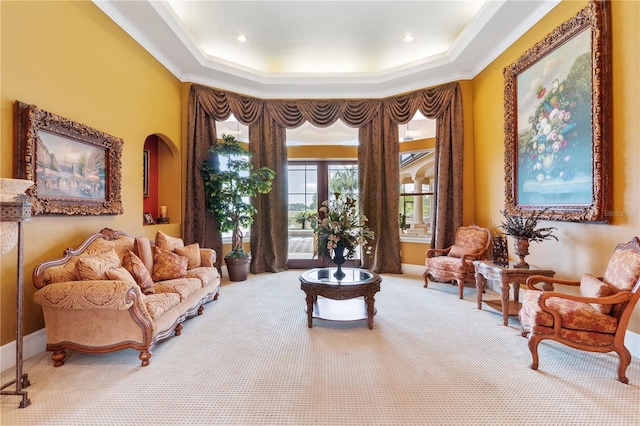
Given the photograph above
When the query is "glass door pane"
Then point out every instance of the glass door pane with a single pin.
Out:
(303, 206)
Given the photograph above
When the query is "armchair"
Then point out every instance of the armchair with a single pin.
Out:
(597, 319)
(455, 263)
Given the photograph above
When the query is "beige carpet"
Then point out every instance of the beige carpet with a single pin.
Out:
(251, 360)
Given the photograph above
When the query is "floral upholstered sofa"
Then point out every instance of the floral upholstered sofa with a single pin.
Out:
(116, 291)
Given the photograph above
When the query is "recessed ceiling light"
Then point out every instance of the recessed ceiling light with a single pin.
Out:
(242, 38)
(408, 37)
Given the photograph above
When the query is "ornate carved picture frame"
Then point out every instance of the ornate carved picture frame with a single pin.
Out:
(557, 101)
(77, 169)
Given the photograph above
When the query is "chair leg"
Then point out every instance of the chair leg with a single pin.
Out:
(624, 360)
(426, 280)
(533, 347)
(460, 288)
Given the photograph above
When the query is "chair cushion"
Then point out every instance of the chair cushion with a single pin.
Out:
(158, 304)
(136, 268)
(622, 273)
(447, 263)
(573, 315)
(590, 286)
(142, 249)
(192, 253)
(166, 242)
(121, 274)
(204, 274)
(168, 265)
(623, 269)
(471, 238)
(459, 251)
(96, 267)
(185, 287)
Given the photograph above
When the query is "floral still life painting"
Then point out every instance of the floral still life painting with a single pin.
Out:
(341, 226)
(558, 121)
(554, 127)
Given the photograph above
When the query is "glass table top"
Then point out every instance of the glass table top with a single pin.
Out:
(326, 275)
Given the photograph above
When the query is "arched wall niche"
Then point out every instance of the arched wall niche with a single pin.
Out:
(162, 176)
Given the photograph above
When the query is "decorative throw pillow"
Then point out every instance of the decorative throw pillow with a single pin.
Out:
(192, 253)
(121, 274)
(96, 267)
(142, 249)
(590, 286)
(166, 242)
(168, 265)
(459, 251)
(136, 268)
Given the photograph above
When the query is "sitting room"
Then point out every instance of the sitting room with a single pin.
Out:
(440, 123)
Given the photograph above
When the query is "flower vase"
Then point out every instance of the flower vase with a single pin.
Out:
(521, 249)
(338, 259)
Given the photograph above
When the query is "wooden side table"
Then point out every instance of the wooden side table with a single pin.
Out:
(487, 270)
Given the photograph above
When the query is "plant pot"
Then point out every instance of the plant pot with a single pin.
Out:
(237, 267)
(521, 249)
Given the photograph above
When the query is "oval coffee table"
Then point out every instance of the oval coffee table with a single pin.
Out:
(334, 304)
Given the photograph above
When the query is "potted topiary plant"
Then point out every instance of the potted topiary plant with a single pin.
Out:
(229, 179)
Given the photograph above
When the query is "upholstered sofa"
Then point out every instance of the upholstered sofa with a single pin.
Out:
(116, 291)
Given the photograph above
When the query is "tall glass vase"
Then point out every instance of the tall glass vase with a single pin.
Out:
(338, 259)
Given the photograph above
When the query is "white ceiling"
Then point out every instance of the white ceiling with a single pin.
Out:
(325, 49)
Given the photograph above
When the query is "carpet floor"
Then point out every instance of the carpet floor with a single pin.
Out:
(250, 359)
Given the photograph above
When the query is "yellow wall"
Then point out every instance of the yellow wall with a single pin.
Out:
(582, 247)
(70, 59)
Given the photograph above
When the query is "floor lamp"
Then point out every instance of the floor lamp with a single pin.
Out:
(15, 213)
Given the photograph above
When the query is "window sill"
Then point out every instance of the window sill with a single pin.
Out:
(423, 239)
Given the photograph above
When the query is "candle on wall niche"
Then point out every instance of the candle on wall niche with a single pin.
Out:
(163, 211)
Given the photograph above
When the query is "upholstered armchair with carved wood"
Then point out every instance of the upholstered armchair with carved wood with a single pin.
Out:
(455, 263)
(597, 319)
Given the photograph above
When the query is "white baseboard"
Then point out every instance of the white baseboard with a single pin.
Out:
(412, 269)
(32, 345)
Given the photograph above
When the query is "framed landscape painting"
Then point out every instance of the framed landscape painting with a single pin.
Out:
(77, 169)
(558, 122)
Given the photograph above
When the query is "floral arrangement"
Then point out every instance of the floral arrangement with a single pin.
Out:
(340, 222)
(519, 227)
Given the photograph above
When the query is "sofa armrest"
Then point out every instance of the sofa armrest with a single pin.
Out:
(207, 257)
(103, 294)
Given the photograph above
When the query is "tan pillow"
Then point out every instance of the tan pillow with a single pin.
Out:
(136, 268)
(192, 253)
(168, 265)
(459, 251)
(166, 242)
(590, 286)
(121, 274)
(142, 249)
(96, 267)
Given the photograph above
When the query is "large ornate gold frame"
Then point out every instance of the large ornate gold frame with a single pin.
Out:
(596, 17)
(30, 123)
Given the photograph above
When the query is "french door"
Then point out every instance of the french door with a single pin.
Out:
(310, 183)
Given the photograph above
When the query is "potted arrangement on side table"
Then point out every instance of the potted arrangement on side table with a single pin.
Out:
(524, 231)
(227, 189)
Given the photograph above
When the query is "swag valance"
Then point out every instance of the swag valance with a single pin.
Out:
(378, 165)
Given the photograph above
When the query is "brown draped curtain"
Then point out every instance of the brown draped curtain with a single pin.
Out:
(378, 158)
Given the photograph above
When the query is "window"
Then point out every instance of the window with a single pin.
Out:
(417, 150)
